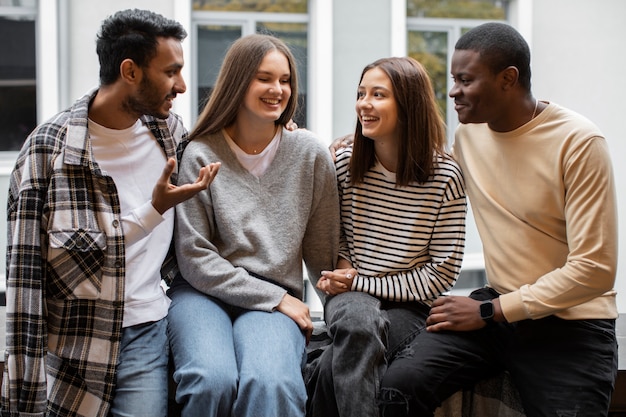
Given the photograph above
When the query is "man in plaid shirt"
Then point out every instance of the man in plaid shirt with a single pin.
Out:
(89, 234)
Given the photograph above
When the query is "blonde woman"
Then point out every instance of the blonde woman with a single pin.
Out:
(237, 322)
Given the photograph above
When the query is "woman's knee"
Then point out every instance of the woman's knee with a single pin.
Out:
(357, 314)
(216, 382)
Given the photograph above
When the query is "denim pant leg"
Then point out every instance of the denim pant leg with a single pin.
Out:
(349, 371)
(436, 365)
(406, 320)
(142, 372)
(564, 367)
(201, 339)
(270, 355)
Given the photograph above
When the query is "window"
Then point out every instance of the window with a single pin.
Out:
(433, 28)
(218, 23)
(18, 90)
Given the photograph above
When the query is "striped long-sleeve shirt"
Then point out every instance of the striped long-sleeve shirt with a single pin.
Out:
(406, 243)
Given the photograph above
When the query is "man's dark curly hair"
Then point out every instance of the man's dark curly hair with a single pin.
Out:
(132, 34)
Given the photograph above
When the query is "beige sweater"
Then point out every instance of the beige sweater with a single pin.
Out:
(544, 201)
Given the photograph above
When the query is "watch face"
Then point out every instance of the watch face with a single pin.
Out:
(486, 310)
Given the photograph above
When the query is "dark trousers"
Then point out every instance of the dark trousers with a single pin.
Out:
(364, 335)
(560, 367)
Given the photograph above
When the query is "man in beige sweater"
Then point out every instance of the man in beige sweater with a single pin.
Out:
(540, 182)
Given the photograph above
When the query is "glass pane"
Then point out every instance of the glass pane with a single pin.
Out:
(18, 115)
(295, 36)
(17, 49)
(213, 42)
(18, 97)
(273, 6)
(430, 48)
(460, 9)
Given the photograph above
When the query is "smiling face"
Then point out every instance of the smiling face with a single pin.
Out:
(269, 91)
(161, 81)
(476, 89)
(376, 106)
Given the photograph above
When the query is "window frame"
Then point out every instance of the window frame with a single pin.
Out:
(247, 21)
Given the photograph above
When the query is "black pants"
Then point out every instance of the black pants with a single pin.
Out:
(560, 367)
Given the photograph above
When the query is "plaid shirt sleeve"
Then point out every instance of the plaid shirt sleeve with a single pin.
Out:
(24, 390)
(173, 137)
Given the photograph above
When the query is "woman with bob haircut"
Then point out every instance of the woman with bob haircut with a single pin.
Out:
(237, 323)
(403, 212)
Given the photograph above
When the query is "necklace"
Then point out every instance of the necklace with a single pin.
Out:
(259, 147)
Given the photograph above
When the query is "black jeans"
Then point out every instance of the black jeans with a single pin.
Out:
(365, 335)
(561, 368)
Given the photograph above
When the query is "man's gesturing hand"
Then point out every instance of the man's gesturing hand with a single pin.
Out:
(166, 195)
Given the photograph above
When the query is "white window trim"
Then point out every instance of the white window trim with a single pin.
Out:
(47, 61)
(399, 28)
(182, 104)
(320, 48)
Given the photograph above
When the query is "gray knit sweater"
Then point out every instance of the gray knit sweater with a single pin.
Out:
(244, 239)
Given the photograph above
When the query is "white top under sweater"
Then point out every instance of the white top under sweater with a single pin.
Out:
(256, 164)
(134, 160)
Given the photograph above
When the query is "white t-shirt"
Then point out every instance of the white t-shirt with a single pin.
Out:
(134, 159)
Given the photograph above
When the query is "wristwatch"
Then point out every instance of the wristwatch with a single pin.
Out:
(486, 311)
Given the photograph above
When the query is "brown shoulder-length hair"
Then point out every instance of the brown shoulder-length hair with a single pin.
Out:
(240, 66)
(422, 129)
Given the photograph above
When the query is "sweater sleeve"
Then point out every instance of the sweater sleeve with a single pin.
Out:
(24, 385)
(342, 167)
(321, 238)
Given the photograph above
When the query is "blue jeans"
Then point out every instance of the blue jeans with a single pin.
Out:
(142, 372)
(234, 362)
(365, 336)
(560, 367)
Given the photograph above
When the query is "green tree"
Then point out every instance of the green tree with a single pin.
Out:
(459, 9)
(270, 6)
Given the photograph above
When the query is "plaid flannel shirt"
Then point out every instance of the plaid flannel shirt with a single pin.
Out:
(65, 270)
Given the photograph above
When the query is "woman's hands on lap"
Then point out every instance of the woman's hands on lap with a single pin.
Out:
(337, 281)
(299, 312)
